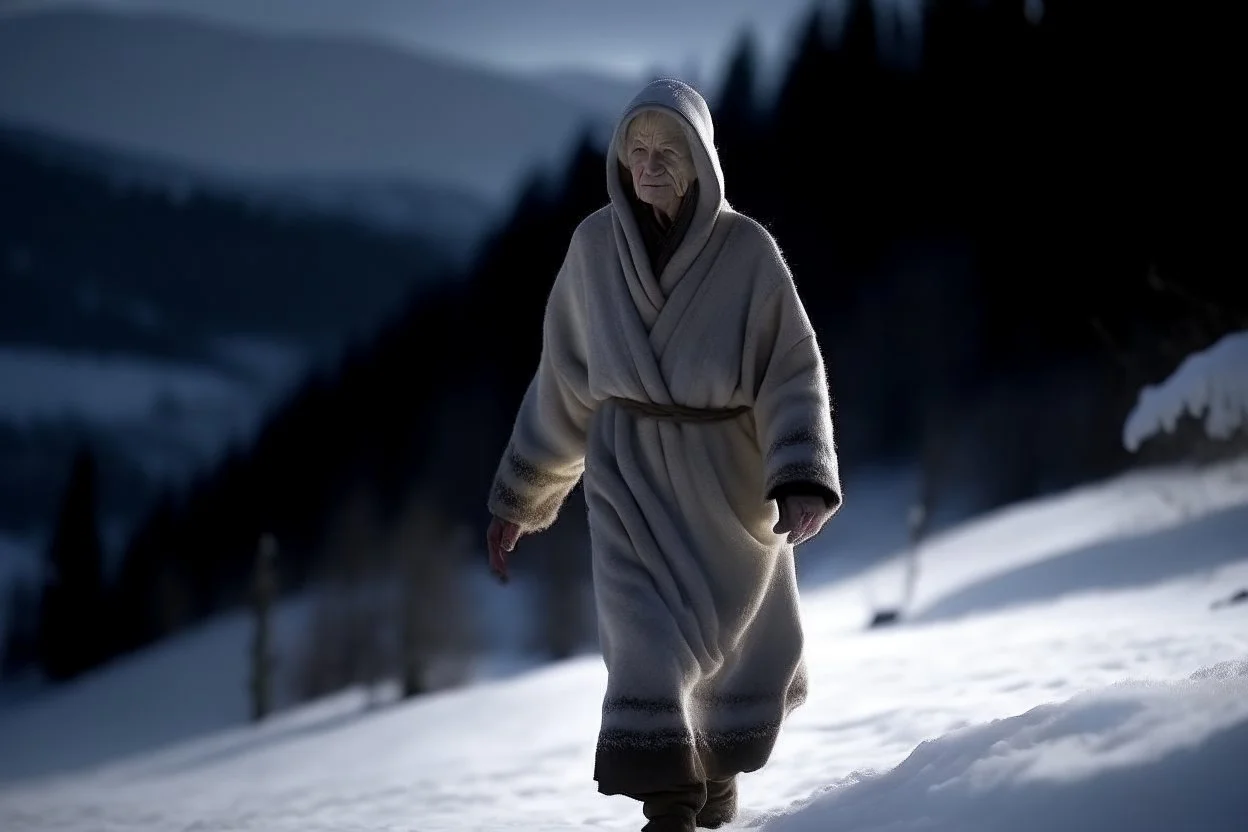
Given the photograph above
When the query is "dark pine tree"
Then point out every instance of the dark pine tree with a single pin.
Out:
(150, 597)
(20, 649)
(862, 145)
(798, 123)
(738, 130)
(72, 607)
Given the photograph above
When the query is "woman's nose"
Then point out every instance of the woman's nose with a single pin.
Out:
(654, 162)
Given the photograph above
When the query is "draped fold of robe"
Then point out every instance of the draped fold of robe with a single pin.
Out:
(696, 596)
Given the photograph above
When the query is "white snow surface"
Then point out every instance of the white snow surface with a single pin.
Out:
(1066, 665)
(38, 384)
(170, 415)
(1212, 384)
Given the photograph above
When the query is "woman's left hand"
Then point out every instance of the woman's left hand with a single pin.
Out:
(802, 516)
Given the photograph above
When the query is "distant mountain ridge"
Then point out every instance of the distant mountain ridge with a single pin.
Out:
(453, 217)
(158, 326)
(242, 104)
(170, 189)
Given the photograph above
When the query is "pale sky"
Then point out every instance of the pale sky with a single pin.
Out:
(620, 37)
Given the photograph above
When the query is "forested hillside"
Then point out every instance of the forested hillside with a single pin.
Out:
(999, 239)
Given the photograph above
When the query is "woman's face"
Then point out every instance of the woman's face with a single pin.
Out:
(659, 160)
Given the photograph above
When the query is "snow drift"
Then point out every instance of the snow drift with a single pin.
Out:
(1139, 756)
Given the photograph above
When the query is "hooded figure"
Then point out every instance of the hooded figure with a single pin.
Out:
(681, 377)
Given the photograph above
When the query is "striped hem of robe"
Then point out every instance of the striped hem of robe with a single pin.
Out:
(735, 734)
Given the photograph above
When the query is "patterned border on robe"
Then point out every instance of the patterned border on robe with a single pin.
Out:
(802, 455)
(733, 734)
(527, 494)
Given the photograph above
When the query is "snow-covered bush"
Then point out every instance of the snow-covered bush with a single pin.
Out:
(1212, 383)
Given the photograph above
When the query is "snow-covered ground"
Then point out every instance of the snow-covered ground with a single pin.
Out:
(178, 408)
(1066, 665)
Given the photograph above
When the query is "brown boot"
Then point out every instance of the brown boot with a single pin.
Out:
(672, 810)
(721, 804)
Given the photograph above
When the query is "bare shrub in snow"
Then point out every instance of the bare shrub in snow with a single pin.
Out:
(346, 640)
(430, 618)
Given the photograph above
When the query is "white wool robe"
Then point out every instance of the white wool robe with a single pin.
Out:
(684, 399)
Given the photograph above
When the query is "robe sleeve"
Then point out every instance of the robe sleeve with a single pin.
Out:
(792, 407)
(545, 454)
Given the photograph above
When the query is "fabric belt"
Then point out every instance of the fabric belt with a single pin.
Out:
(680, 413)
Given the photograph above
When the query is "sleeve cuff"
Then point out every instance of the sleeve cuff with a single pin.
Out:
(804, 488)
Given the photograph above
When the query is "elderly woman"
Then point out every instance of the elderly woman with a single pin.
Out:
(681, 376)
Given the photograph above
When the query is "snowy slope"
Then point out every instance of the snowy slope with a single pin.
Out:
(1028, 703)
(200, 679)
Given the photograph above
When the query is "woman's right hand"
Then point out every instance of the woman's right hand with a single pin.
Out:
(802, 516)
(501, 539)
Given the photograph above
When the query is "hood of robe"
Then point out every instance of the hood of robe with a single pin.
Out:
(685, 103)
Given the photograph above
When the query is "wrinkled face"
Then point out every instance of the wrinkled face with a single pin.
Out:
(659, 159)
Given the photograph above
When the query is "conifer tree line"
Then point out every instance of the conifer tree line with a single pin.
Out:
(1003, 223)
